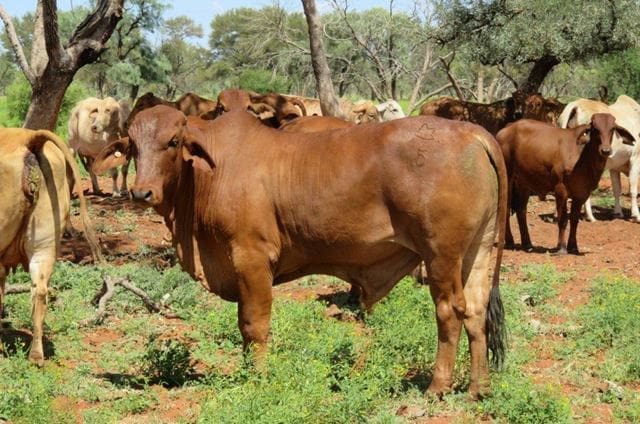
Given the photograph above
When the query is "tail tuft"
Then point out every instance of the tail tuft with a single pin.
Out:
(496, 329)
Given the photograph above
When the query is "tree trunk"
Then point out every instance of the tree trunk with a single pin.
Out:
(326, 93)
(46, 98)
(480, 85)
(541, 68)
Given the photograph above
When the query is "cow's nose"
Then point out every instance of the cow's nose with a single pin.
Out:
(146, 195)
(605, 152)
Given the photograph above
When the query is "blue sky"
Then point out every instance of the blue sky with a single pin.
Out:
(203, 11)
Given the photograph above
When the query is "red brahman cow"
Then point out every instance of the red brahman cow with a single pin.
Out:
(250, 206)
(542, 158)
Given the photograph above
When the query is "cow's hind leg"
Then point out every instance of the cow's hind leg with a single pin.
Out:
(40, 269)
(445, 274)
(476, 293)
(616, 187)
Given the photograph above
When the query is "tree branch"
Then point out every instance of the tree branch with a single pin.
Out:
(426, 96)
(51, 37)
(16, 45)
(454, 83)
(90, 37)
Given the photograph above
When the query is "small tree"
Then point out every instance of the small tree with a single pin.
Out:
(52, 65)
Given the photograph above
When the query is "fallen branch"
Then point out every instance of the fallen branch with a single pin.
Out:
(17, 288)
(108, 290)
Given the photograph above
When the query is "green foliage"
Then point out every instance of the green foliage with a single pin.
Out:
(166, 362)
(541, 282)
(516, 399)
(18, 99)
(610, 321)
(621, 73)
(262, 81)
(26, 393)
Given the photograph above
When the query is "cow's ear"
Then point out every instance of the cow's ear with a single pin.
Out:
(114, 154)
(195, 153)
(262, 111)
(572, 122)
(626, 136)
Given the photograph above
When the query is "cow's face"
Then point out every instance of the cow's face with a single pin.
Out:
(157, 136)
(104, 115)
(603, 128)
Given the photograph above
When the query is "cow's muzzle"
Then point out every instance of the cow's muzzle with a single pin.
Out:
(142, 195)
(605, 152)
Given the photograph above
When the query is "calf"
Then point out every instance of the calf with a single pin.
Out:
(34, 207)
(541, 158)
(365, 204)
(624, 158)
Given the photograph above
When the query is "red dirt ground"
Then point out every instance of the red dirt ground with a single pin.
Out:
(129, 232)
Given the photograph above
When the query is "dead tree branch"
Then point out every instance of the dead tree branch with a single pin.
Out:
(17, 288)
(108, 291)
(16, 45)
(454, 82)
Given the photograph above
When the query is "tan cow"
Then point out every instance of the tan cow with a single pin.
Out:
(250, 206)
(34, 208)
(93, 124)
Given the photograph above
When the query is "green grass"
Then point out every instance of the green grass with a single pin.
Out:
(320, 369)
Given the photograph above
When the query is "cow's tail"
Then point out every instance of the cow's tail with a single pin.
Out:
(40, 137)
(495, 323)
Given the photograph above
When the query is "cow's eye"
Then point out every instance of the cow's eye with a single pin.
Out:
(173, 143)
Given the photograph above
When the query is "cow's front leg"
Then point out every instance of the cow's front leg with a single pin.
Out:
(574, 218)
(40, 269)
(561, 211)
(124, 170)
(634, 174)
(3, 279)
(254, 303)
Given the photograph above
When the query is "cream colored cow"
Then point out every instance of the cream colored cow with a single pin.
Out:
(93, 124)
(34, 208)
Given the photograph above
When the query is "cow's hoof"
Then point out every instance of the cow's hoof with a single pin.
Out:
(590, 219)
(37, 359)
(561, 251)
(438, 390)
(509, 245)
(527, 247)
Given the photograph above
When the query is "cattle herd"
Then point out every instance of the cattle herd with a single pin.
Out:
(260, 189)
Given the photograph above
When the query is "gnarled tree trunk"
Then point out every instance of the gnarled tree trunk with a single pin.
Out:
(327, 95)
(541, 68)
(53, 66)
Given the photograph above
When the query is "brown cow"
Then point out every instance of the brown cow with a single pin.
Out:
(322, 203)
(493, 116)
(34, 208)
(541, 158)
(193, 105)
(189, 103)
(542, 109)
(311, 124)
(273, 109)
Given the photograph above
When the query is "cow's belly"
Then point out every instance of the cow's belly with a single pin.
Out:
(348, 262)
